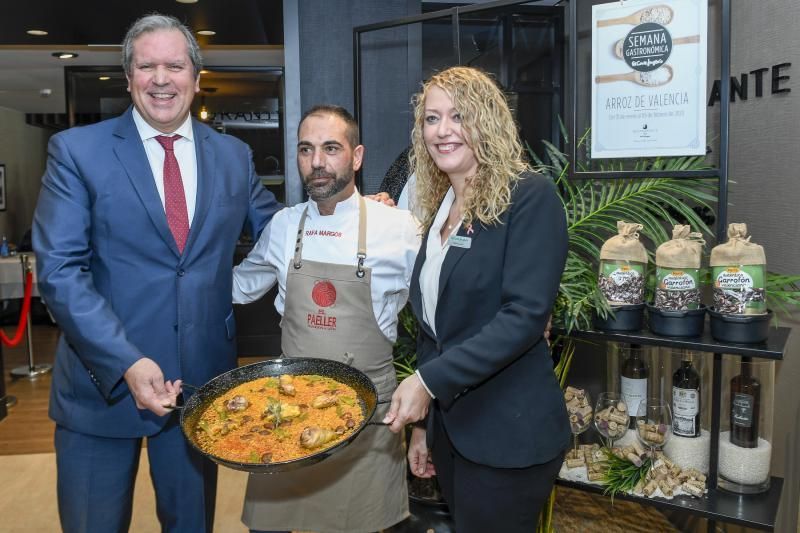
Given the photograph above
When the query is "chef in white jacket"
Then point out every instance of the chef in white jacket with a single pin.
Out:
(343, 266)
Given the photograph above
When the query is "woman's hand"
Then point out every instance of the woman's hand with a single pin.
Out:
(409, 404)
(382, 197)
(419, 459)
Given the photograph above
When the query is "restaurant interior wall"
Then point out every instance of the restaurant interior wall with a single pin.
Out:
(23, 151)
(326, 70)
(765, 193)
(520, 46)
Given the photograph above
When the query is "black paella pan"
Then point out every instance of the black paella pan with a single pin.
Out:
(205, 395)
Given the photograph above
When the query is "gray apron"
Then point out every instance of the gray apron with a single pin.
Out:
(362, 487)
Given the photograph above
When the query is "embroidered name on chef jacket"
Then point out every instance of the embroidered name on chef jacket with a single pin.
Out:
(323, 295)
(322, 233)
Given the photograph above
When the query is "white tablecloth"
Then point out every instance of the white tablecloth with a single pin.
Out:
(11, 281)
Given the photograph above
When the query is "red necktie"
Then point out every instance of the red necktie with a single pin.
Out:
(174, 195)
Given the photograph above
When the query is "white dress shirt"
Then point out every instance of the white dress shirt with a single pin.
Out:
(393, 239)
(435, 253)
(184, 153)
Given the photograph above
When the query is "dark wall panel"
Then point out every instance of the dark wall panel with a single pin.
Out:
(326, 72)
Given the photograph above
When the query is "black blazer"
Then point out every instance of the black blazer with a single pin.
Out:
(489, 366)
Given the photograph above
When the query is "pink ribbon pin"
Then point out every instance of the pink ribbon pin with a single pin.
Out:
(470, 231)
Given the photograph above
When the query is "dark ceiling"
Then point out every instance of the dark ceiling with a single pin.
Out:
(83, 22)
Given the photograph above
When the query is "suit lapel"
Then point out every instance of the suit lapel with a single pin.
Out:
(129, 149)
(454, 255)
(206, 171)
(415, 296)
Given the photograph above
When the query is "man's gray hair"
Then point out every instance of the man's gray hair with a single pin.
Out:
(156, 22)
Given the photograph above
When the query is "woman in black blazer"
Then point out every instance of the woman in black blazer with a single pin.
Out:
(484, 398)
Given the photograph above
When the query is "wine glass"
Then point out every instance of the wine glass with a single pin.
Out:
(579, 408)
(653, 424)
(611, 416)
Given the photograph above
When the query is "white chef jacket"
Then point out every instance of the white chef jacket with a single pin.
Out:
(393, 240)
(184, 153)
(408, 197)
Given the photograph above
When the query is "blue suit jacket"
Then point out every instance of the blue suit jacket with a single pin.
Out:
(488, 365)
(111, 274)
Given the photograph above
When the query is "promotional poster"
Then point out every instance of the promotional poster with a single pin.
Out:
(649, 78)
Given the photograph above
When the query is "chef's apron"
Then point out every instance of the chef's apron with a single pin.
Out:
(361, 487)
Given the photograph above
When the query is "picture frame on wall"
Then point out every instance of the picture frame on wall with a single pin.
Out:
(2, 187)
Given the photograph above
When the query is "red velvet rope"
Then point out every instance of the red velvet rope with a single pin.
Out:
(23, 317)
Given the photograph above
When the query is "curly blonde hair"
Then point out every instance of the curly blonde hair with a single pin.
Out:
(490, 131)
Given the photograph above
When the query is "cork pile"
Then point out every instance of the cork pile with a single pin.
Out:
(665, 479)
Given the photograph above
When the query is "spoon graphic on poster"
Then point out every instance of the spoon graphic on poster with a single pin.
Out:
(659, 14)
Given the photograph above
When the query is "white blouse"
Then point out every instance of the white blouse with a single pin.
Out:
(435, 252)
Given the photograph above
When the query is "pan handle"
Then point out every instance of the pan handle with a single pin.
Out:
(179, 407)
(379, 423)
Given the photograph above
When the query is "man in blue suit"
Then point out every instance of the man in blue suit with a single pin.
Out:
(134, 234)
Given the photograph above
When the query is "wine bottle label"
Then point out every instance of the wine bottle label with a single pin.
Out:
(685, 407)
(634, 391)
(742, 407)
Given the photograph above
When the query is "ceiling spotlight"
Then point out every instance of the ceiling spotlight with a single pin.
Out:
(206, 32)
(186, 1)
(64, 55)
(38, 33)
(104, 78)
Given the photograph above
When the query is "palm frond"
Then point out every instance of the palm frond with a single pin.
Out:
(593, 207)
(783, 293)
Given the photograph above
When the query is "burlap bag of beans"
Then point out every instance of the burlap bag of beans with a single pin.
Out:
(739, 274)
(678, 264)
(622, 262)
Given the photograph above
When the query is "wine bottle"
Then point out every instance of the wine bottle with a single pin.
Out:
(633, 382)
(686, 399)
(745, 403)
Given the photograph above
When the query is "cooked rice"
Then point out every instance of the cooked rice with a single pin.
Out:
(246, 436)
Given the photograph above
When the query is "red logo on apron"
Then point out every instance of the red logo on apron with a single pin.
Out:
(323, 293)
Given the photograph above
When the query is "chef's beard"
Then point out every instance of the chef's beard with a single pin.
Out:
(331, 188)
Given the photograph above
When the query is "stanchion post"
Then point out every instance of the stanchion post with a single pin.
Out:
(6, 400)
(32, 370)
